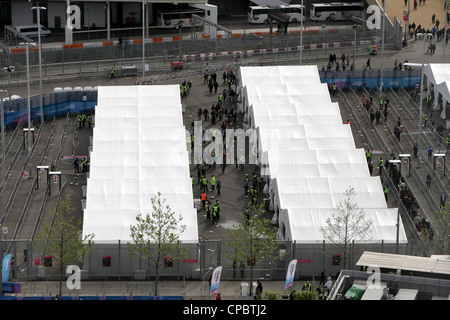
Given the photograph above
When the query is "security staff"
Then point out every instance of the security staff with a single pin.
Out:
(203, 199)
(386, 191)
(80, 120)
(89, 120)
(112, 73)
(368, 155)
(213, 182)
(380, 165)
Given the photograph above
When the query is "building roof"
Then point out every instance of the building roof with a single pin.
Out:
(139, 149)
(405, 262)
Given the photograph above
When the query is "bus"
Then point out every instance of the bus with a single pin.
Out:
(259, 14)
(176, 18)
(335, 11)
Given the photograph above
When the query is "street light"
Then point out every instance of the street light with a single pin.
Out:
(3, 168)
(382, 51)
(28, 44)
(143, 40)
(301, 33)
(355, 26)
(445, 31)
(38, 13)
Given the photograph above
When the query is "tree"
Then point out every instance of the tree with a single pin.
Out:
(62, 238)
(254, 240)
(437, 238)
(348, 225)
(156, 236)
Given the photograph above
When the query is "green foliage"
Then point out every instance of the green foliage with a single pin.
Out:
(348, 225)
(156, 235)
(271, 295)
(305, 295)
(254, 240)
(62, 238)
(437, 240)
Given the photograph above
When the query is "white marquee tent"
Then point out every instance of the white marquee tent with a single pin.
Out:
(139, 149)
(308, 154)
(438, 74)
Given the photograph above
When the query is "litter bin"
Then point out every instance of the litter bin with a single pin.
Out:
(244, 289)
(267, 203)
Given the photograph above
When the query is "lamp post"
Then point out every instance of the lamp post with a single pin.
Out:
(143, 40)
(382, 50)
(3, 170)
(445, 31)
(301, 33)
(28, 44)
(38, 13)
(354, 47)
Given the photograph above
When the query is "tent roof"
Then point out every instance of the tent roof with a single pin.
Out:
(139, 149)
(309, 155)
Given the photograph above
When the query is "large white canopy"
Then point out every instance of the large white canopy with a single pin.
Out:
(438, 74)
(307, 154)
(139, 149)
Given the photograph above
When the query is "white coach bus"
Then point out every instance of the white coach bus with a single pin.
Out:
(259, 14)
(335, 11)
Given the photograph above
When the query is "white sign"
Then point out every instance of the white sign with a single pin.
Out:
(373, 21)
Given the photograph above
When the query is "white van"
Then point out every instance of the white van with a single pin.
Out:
(32, 30)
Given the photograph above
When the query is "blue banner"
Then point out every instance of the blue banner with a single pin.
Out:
(6, 265)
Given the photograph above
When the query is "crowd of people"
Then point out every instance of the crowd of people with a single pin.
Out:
(221, 116)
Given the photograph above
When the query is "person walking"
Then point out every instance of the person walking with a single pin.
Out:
(428, 181)
(208, 210)
(368, 64)
(386, 192)
(430, 152)
(204, 199)
(219, 185)
(76, 165)
(213, 183)
(380, 165)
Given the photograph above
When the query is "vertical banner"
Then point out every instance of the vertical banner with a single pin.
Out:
(290, 273)
(215, 279)
(6, 264)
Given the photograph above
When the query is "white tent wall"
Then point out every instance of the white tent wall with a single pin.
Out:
(438, 75)
(310, 158)
(139, 149)
(125, 267)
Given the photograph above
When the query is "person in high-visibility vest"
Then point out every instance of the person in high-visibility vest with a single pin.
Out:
(89, 120)
(334, 89)
(204, 184)
(213, 182)
(80, 120)
(203, 198)
(368, 155)
(306, 286)
(425, 119)
(448, 142)
(208, 210)
(380, 165)
(112, 72)
(386, 191)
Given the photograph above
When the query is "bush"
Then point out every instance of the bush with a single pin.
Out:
(269, 295)
(305, 295)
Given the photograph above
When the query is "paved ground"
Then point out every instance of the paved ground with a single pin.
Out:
(421, 15)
